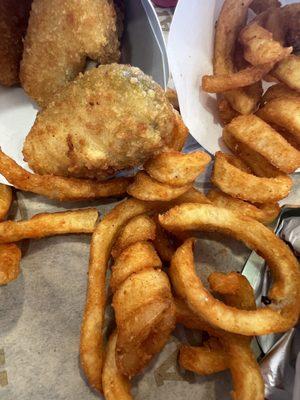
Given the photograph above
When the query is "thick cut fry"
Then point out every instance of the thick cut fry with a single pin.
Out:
(59, 188)
(260, 47)
(49, 224)
(279, 90)
(255, 162)
(138, 229)
(146, 188)
(226, 112)
(259, 6)
(204, 360)
(288, 72)
(260, 137)
(265, 213)
(281, 315)
(224, 82)
(283, 112)
(231, 19)
(5, 200)
(133, 259)
(177, 169)
(10, 257)
(245, 186)
(115, 385)
(145, 317)
(91, 340)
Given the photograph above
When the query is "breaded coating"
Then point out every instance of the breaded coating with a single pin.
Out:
(13, 23)
(111, 118)
(61, 36)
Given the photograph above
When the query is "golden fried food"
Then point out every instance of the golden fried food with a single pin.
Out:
(261, 138)
(288, 72)
(111, 118)
(204, 360)
(177, 169)
(246, 186)
(14, 16)
(10, 257)
(260, 47)
(61, 36)
(231, 19)
(284, 113)
(91, 340)
(140, 228)
(284, 294)
(148, 189)
(115, 385)
(145, 317)
(265, 213)
(5, 200)
(49, 224)
(133, 259)
(60, 188)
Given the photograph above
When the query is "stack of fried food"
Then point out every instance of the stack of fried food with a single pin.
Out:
(114, 117)
(261, 131)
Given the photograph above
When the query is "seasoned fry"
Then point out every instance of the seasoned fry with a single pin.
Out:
(246, 186)
(264, 140)
(255, 162)
(146, 188)
(10, 257)
(91, 340)
(231, 19)
(49, 224)
(283, 112)
(288, 72)
(260, 47)
(224, 82)
(59, 188)
(115, 385)
(175, 168)
(205, 360)
(140, 228)
(265, 213)
(279, 90)
(145, 317)
(281, 315)
(5, 200)
(133, 259)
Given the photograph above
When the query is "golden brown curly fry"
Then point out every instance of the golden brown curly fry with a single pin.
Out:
(59, 188)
